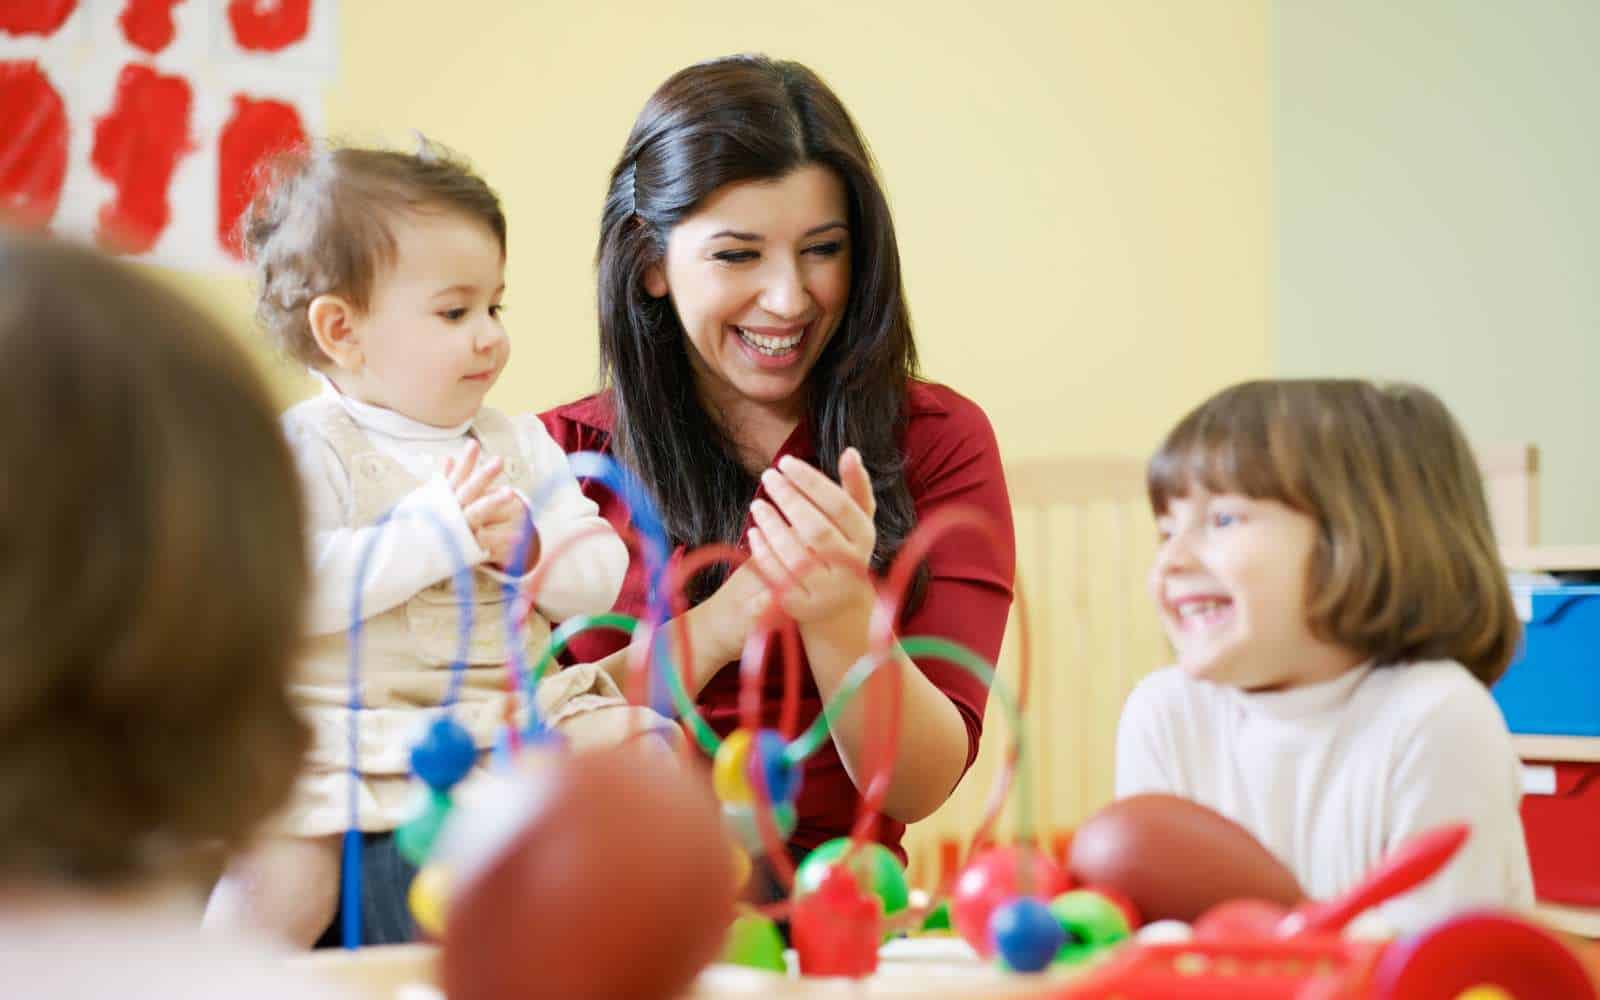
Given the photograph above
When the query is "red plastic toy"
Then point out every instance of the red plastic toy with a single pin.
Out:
(837, 929)
(998, 876)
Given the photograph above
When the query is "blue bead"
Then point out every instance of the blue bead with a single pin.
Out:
(783, 778)
(445, 754)
(1026, 934)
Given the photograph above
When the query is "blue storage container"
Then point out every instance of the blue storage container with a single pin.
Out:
(1553, 686)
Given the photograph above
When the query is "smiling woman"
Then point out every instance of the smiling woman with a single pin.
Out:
(759, 304)
(755, 342)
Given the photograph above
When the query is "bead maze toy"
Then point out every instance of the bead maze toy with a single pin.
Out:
(592, 855)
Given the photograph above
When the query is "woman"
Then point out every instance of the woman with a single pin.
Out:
(753, 331)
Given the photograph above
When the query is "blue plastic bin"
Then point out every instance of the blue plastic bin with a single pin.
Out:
(1553, 686)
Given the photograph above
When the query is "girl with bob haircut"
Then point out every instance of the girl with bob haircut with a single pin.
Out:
(1329, 579)
(152, 582)
(755, 343)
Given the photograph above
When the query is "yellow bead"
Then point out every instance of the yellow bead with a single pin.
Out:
(729, 771)
(429, 892)
(741, 864)
(1485, 993)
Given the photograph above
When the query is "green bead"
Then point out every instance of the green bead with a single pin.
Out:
(1093, 923)
(753, 940)
(874, 865)
(414, 839)
(938, 919)
(742, 824)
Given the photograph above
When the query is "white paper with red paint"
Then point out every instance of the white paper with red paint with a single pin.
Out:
(165, 109)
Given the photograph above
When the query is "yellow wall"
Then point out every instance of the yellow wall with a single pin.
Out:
(1081, 192)
(1080, 188)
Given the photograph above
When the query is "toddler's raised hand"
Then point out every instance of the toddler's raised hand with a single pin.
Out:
(502, 531)
(472, 480)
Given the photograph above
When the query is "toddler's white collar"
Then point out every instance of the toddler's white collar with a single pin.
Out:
(387, 421)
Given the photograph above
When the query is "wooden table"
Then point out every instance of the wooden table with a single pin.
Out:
(914, 969)
(934, 968)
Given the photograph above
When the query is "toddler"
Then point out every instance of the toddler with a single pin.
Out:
(383, 272)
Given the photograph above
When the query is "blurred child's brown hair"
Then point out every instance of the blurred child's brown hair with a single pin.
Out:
(320, 227)
(152, 577)
(1405, 566)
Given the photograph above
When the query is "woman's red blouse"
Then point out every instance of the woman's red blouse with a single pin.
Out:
(951, 459)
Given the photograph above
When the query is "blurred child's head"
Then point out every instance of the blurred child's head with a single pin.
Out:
(1308, 526)
(384, 270)
(152, 576)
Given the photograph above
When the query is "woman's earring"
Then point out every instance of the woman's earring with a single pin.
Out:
(655, 282)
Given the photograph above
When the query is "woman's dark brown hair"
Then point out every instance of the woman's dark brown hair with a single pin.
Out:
(1405, 565)
(747, 118)
(152, 575)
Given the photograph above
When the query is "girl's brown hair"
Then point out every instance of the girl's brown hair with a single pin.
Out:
(320, 226)
(1405, 566)
(152, 575)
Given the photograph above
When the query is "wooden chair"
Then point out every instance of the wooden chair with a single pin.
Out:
(1511, 481)
(1084, 544)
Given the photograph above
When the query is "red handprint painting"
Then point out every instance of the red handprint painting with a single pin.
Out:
(269, 25)
(141, 124)
(256, 131)
(148, 24)
(136, 148)
(34, 17)
(33, 161)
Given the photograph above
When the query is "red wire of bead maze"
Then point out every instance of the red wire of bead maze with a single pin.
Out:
(883, 706)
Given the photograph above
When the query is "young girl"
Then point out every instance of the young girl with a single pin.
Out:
(152, 582)
(384, 272)
(1329, 579)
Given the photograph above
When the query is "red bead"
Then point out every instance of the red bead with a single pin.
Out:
(998, 876)
(836, 929)
(1236, 918)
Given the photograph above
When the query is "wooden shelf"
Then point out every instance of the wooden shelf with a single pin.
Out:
(1579, 920)
(1579, 749)
(1550, 557)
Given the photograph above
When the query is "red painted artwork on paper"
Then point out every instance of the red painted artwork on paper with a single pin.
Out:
(256, 131)
(147, 24)
(33, 158)
(34, 17)
(119, 92)
(269, 25)
(137, 146)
